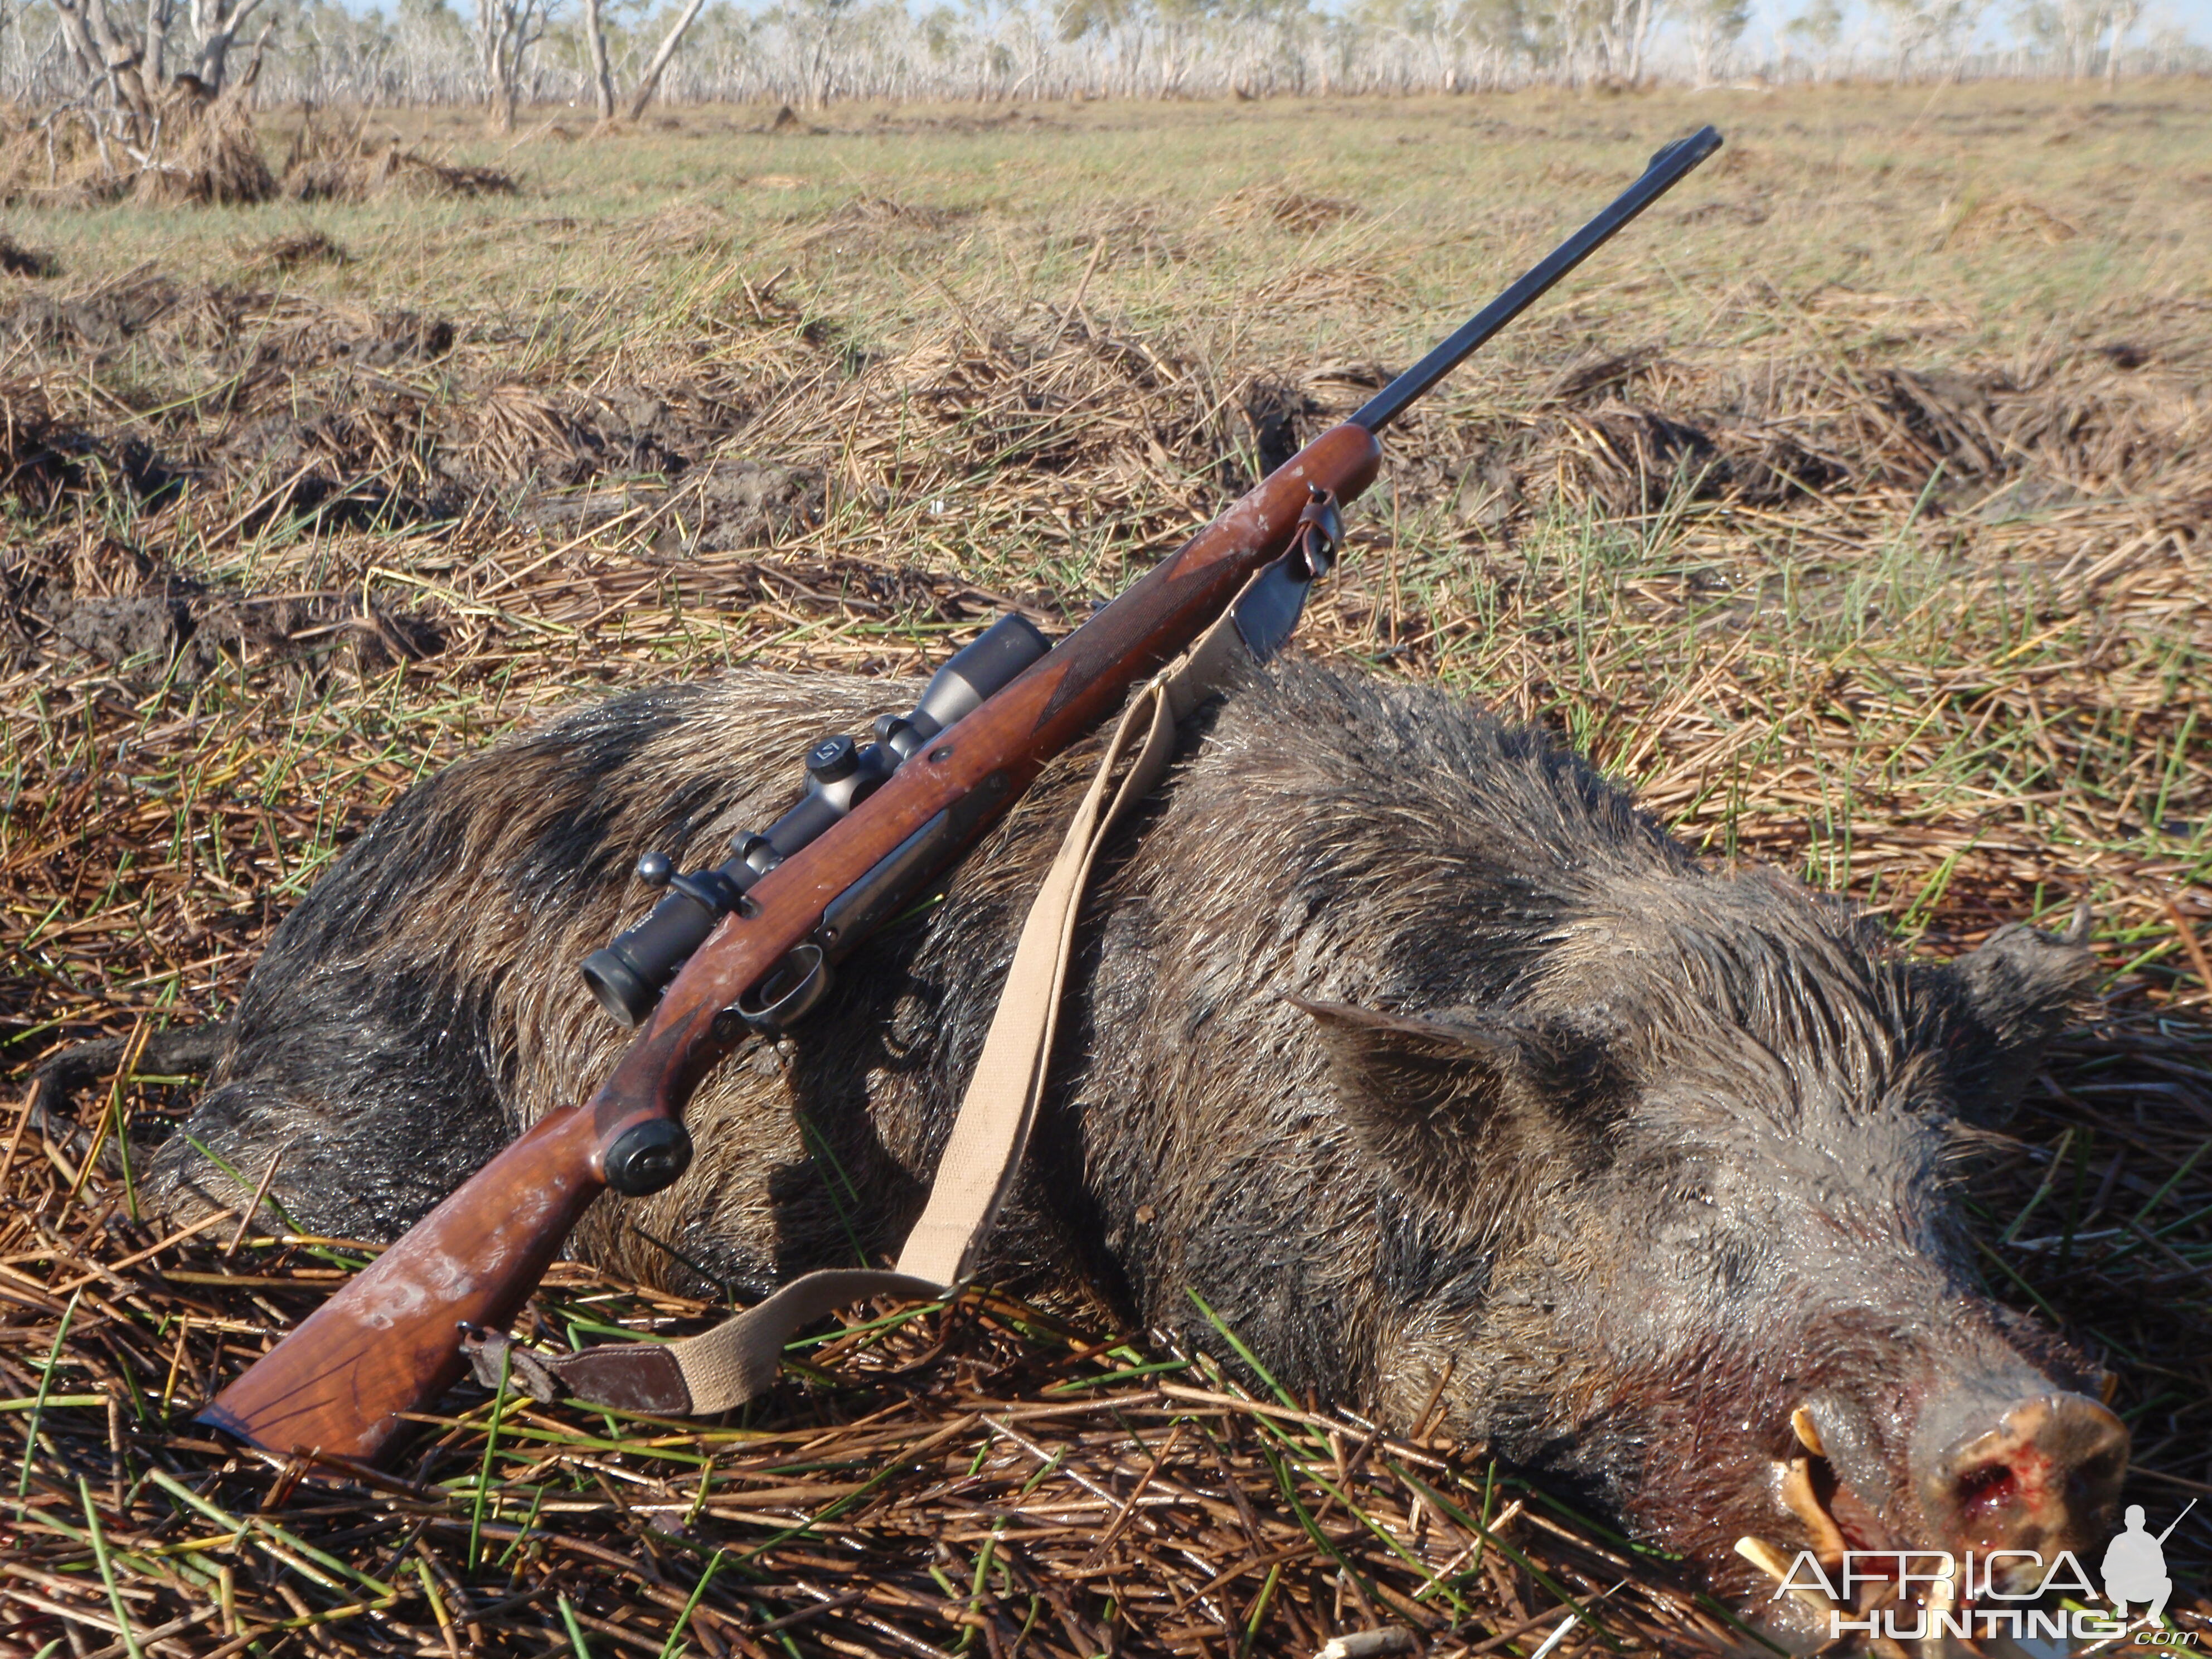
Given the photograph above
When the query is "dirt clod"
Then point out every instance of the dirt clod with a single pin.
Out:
(135, 627)
(750, 502)
(16, 260)
(179, 631)
(307, 247)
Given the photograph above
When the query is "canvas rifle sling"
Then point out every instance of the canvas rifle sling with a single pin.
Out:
(740, 1358)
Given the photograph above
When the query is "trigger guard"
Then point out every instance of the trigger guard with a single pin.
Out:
(790, 992)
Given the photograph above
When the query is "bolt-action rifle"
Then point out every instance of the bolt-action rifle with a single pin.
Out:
(749, 946)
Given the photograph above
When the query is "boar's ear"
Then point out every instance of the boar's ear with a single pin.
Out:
(1417, 1092)
(2021, 988)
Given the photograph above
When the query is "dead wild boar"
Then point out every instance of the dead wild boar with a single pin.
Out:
(1397, 1033)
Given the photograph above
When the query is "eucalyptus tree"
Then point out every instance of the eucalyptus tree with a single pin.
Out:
(506, 30)
(1715, 26)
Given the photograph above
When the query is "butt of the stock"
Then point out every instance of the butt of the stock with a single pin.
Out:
(390, 1341)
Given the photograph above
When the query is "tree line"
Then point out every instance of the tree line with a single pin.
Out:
(611, 59)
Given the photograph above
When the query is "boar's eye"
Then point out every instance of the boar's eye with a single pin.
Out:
(1421, 1094)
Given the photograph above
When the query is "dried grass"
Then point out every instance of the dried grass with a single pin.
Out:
(371, 173)
(1281, 204)
(54, 159)
(218, 162)
(335, 158)
(192, 152)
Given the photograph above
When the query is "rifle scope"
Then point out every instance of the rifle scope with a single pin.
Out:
(628, 975)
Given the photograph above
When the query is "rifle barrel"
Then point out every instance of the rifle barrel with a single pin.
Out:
(1667, 169)
(2178, 1520)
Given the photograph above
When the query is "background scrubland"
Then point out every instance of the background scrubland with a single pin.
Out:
(1852, 506)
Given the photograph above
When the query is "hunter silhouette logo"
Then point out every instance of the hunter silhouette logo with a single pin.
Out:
(1976, 1596)
(2135, 1566)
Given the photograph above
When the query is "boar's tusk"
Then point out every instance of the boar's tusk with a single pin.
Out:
(1805, 1504)
(1808, 1431)
(1764, 1556)
(1776, 1565)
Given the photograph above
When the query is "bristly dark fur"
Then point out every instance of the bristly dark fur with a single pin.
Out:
(1400, 1035)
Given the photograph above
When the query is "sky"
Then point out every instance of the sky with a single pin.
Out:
(2193, 17)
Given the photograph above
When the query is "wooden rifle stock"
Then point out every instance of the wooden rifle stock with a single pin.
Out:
(390, 1341)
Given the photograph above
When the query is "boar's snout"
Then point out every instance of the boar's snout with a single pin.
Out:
(2008, 1463)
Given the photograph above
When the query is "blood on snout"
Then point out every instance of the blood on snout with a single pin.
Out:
(1987, 1489)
